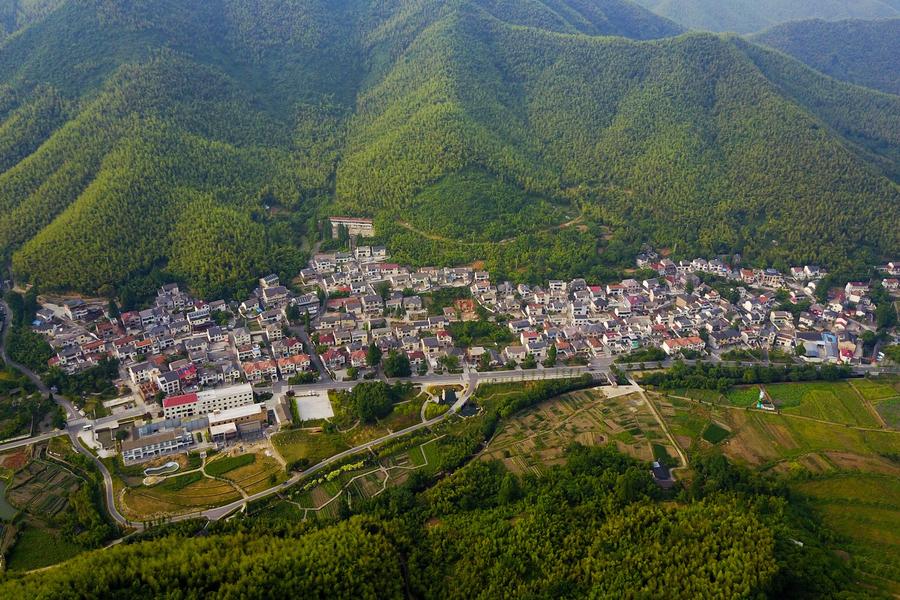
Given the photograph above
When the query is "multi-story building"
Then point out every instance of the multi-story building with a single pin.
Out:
(207, 401)
(158, 444)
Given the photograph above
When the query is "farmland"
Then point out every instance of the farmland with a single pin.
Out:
(253, 473)
(785, 441)
(42, 488)
(176, 495)
(864, 509)
(835, 402)
(536, 438)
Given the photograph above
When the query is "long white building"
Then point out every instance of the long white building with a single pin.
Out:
(207, 401)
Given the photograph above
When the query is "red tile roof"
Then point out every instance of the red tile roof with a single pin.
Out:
(179, 400)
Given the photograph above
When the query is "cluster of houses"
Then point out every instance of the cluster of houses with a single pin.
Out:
(198, 360)
(373, 301)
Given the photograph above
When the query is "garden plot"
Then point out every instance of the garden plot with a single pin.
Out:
(43, 488)
(537, 438)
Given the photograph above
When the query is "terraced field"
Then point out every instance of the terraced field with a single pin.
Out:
(176, 495)
(537, 438)
(42, 488)
(260, 473)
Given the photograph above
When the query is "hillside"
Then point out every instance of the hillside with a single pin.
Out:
(862, 52)
(596, 526)
(747, 16)
(204, 140)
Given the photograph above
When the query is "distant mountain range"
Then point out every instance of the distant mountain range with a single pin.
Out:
(863, 52)
(747, 16)
(207, 139)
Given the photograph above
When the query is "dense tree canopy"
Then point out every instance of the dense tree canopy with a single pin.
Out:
(202, 140)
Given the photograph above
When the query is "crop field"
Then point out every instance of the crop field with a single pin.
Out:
(536, 438)
(875, 390)
(836, 402)
(42, 488)
(890, 412)
(785, 441)
(184, 493)
(865, 510)
(297, 444)
(257, 474)
(37, 547)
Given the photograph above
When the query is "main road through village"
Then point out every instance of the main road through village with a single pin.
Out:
(468, 379)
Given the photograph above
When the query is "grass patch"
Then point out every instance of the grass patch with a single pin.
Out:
(220, 466)
(36, 548)
(714, 433)
(176, 484)
(296, 445)
(433, 410)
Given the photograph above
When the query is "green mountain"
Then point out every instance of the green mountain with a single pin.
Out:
(207, 140)
(863, 52)
(746, 16)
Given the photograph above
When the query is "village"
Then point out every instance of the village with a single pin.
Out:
(197, 373)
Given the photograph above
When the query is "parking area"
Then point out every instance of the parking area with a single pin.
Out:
(314, 405)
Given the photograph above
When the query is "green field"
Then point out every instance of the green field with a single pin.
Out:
(715, 433)
(314, 447)
(836, 402)
(220, 466)
(865, 510)
(743, 396)
(890, 412)
(877, 389)
(36, 548)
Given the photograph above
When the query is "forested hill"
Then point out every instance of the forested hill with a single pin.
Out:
(863, 52)
(208, 138)
(595, 527)
(748, 16)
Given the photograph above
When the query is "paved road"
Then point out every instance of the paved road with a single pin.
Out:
(75, 425)
(35, 439)
(217, 513)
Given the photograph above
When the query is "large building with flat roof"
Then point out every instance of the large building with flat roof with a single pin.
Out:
(158, 444)
(243, 421)
(207, 401)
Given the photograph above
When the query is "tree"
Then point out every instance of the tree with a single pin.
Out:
(550, 361)
(371, 400)
(397, 365)
(373, 355)
(292, 312)
(112, 309)
(449, 362)
(529, 362)
(484, 362)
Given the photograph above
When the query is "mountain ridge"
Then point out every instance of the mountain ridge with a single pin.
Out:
(398, 111)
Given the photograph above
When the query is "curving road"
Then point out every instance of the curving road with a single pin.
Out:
(75, 425)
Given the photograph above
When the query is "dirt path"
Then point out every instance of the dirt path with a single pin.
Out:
(789, 416)
(665, 427)
(439, 238)
(869, 406)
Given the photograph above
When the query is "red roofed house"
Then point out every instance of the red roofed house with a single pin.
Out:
(674, 346)
(180, 406)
